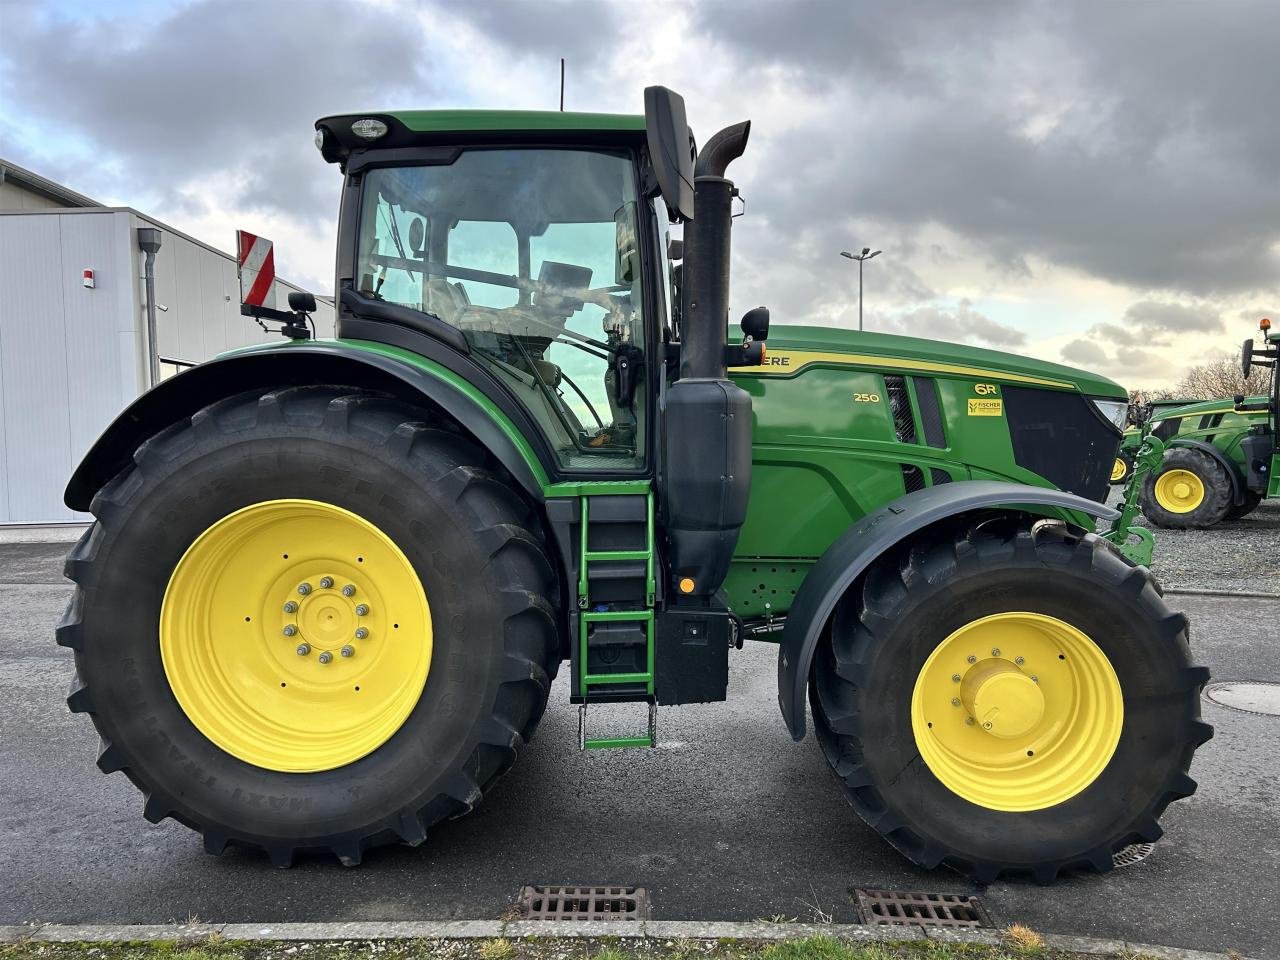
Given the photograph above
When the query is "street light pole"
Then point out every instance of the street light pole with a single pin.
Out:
(862, 258)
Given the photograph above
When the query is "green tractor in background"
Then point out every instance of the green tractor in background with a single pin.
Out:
(1219, 459)
(330, 582)
(1140, 414)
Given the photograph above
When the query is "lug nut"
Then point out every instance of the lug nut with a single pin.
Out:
(955, 701)
(955, 678)
(326, 583)
(290, 630)
(290, 607)
(995, 651)
(326, 657)
(348, 651)
(361, 633)
(362, 609)
(971, 659)
(304, 649)
(968, 721)
(987, 725)
(1019, 660)
(1034, 678)
(304, 588)
(348, 591)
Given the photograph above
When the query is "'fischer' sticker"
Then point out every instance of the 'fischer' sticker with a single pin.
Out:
(986, 408)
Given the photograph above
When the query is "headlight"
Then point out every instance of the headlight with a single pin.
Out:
(1114, 411)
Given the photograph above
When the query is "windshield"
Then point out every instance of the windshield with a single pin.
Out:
(533, 255)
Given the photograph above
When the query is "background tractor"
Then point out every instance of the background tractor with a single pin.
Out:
(1219, 458)
(330, 582)
(1140, 414)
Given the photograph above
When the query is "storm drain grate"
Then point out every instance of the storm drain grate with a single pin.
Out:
(888, 907)
(583, 903)
(1133, 853)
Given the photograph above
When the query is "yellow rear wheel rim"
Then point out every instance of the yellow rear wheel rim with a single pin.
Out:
(1119, 469)
(296, 635)
(1179, 491)
(1017, 711)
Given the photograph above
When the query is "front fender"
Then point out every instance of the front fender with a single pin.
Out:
(855, 550)
(409, 377)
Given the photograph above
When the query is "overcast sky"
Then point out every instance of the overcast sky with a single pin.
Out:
(1096, 183)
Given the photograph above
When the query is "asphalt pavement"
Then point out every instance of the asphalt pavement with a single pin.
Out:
(727, 819)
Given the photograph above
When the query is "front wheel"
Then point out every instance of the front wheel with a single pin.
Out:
(1010, 698)
(311, 619)
(1191, 490)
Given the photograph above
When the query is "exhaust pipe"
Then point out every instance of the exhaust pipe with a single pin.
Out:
(704, 311)
(707, 422)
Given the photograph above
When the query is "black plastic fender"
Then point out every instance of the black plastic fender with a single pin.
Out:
(182, 395)
(855, 550)
(1233, 472)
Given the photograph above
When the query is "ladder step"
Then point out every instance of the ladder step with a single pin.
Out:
(595, 679)
(648, 739)
(616, 555)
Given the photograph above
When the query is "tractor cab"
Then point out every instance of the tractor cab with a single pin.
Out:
(1261, 463)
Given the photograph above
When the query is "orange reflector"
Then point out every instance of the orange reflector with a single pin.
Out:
(687, 584)
(763, 351)
(1264, 324)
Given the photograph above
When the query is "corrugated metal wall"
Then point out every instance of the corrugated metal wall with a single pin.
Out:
(72, 358)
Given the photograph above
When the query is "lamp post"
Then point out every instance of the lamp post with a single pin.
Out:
(862, 257)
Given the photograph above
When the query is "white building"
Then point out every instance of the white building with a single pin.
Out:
(72, 356)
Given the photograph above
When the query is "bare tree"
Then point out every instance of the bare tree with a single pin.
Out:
(1220, 378)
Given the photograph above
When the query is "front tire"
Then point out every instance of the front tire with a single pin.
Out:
(185, 641)
(1250, 504)
(1085, 764)
(1190, 491)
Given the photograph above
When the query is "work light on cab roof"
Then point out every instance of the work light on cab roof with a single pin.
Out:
(533, 443)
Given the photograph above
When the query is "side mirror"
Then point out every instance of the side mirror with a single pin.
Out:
(300, 302)
(417, 236)
(1246, 358)
(667, 132)
(755, 323)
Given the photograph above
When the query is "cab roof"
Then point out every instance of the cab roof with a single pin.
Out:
(414, 128)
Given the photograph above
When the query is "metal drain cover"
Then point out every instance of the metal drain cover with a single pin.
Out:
(1133, 853)
(583, 903)
(1250, 696)
(893, 907)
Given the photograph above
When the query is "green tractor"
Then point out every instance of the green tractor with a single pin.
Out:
(1219, 454)
(330, 582)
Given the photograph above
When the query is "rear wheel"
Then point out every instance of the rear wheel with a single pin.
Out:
(1121, 468)
(1191, 490)
(1013, 698)
(311, 620)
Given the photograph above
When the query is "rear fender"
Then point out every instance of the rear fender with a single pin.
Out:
(859, 546)
(418, 381)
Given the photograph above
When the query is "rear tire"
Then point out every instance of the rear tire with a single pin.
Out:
(466, 533)
(1189, 491)
(912, 603)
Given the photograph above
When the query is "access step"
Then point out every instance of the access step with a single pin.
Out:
(648, 739)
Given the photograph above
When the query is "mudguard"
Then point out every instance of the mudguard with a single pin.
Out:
(855, 549)
(1233, 471)
(287, 365)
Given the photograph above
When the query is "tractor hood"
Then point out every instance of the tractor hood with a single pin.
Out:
(792, 347)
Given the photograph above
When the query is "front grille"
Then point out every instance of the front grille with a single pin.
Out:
(1063, 438)
(912, 477)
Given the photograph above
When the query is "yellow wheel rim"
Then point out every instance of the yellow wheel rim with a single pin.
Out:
(295, 635)
(1017, 711)
(1179, 491)
(1119, 469)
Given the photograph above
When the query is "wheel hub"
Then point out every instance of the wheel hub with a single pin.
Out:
(1001, 699)
(328, 620)
(1179, 491)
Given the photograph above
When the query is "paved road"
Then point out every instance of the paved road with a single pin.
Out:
(728, 820)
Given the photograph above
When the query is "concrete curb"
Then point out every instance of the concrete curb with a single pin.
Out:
(553, 929)
(1232, 594)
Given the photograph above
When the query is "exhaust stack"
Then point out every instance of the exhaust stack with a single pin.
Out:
(707, 418)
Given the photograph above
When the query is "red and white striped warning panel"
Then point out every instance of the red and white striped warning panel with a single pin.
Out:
(257, 269)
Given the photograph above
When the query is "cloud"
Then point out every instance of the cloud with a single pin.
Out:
(1086, 353)
(961, 325)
